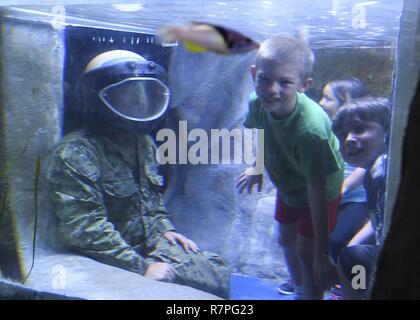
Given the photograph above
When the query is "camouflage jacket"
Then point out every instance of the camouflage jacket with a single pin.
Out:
(109, 206)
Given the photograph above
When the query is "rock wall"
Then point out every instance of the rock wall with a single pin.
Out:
(31, 78)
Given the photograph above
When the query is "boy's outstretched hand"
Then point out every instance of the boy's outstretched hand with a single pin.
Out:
(248, 179)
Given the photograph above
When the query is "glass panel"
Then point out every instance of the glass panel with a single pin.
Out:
(68, 177)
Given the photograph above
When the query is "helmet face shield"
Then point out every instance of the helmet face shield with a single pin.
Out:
(137, 99)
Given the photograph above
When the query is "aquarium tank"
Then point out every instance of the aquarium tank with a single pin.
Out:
(201, 146)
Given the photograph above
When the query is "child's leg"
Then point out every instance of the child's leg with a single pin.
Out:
(288, 242)
(361, 256)
(311, 291)
(348, 292)
(351, 218)
(305, 249)
(288, 231)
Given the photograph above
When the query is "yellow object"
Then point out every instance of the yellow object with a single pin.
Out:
(203, 37)
(193, 47)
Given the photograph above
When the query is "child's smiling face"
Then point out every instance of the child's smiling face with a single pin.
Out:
(361, 141)
(276, 85)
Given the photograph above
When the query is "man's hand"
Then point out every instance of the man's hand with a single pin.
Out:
(325, 272)
(160, 271)
(248, 179)
(187, 244)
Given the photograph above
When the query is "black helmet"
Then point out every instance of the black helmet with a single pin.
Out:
(126, 84)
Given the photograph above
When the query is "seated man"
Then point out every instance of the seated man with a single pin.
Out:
(105, 184)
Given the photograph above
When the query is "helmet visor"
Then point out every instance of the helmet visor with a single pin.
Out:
(137, 99)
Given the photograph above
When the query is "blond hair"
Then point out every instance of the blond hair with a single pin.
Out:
(288, 50)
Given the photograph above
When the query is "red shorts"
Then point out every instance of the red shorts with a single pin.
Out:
(286, 214)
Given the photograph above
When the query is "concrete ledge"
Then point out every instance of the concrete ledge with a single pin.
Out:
(65, 276)
(12, 291)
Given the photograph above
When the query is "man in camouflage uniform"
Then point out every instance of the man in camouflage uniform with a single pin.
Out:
(106, 188)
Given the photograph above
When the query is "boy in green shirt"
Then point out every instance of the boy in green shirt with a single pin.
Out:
(302, 158)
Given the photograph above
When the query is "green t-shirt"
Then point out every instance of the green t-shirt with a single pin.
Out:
(298, 149)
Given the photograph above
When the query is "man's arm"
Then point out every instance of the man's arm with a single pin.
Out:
(83, 222)
(155, 193)
(154, 190)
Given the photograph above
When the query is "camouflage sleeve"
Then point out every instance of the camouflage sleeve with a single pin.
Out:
(162, 215)
(72, 177)
(152, 171)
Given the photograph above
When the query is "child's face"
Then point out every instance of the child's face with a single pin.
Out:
(329, 102)
(361, 142)
(276, 85)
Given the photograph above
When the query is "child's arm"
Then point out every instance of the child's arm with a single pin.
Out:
(248, 179)
(323, 266)
(354, 180)
(254, 175)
